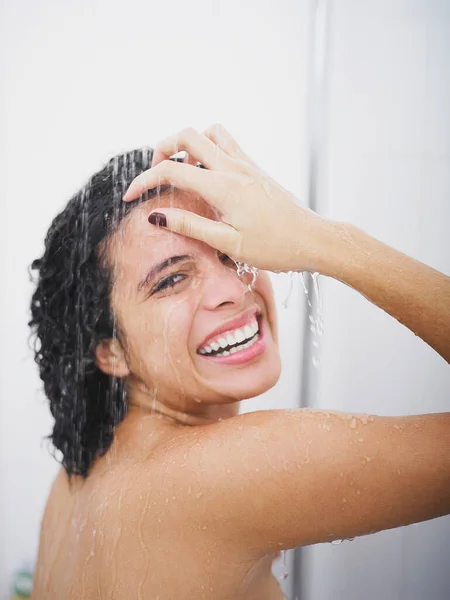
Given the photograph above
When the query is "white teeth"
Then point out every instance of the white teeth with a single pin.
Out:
(223, 342)
(240, 347)
(248, 332)
(230, 340)
(239, 335)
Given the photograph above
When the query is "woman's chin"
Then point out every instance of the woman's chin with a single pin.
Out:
(242, 386)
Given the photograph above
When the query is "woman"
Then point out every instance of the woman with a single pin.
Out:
(149, 340)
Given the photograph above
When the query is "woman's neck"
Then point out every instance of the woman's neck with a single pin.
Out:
(189, 411)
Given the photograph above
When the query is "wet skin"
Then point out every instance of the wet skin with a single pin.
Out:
(136, 527)
(193, 500)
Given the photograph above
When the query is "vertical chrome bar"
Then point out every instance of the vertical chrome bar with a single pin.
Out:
(317, 105)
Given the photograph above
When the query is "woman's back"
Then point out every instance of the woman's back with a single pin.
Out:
(125, 533)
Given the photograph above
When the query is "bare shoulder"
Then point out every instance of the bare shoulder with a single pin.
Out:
(284, 478)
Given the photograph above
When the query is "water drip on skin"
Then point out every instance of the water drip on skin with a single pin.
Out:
(291, 285)
(284, 574)
(316, 322)
(305, 289)
(243, 268)
(337, 542)
(168, 355)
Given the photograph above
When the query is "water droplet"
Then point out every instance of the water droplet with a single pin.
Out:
(336, 542)
(291, 285)
(243, 268)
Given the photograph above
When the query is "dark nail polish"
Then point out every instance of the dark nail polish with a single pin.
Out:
(158, 219)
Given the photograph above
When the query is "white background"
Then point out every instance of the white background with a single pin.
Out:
(387, 169)
(82, 81)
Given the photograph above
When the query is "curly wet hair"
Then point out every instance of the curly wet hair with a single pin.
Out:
(71, 314)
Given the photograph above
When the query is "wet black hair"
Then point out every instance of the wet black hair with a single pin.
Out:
(71, 314)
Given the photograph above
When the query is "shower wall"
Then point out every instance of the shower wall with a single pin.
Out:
(82, 81)
(385, 167)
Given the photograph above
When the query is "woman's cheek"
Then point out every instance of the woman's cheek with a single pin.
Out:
(264, 288)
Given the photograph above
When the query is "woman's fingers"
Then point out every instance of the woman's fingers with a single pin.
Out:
(190, 160)
(226, 142)
(197, 146)
(259, 222)
(182, 176)
(214, 233)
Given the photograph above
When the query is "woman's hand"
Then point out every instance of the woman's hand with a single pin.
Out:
(261, 223)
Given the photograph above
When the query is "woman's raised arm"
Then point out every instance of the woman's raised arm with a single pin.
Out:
(263, 225)
(272, 480)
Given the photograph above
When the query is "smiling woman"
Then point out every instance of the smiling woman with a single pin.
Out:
(130, 320)
(111, 288)
(149, 339)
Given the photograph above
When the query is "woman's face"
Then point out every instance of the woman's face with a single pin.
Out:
(168, 311)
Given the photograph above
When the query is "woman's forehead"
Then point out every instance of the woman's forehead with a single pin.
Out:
(185, 200)
(137, 240)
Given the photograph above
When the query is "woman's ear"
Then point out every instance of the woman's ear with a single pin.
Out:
(110, 358)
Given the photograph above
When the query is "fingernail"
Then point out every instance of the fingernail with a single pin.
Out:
(158, 219)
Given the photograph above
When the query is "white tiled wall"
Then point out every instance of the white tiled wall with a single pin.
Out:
(387, 171)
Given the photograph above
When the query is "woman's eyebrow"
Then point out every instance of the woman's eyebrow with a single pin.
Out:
(161, 266)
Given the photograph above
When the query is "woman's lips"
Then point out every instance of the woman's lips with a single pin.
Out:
(242, 356)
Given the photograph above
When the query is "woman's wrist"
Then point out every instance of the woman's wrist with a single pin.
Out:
(343, 249)
(323, 245)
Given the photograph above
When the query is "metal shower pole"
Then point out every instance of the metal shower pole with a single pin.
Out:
(317, 105)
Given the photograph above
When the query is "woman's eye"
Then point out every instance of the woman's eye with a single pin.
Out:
(168, 282)
(226, 259)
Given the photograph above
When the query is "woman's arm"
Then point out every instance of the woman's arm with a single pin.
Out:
(263, 224)
(273, 480)
(413, 293)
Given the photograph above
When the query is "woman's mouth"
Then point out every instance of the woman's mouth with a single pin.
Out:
(238, 347)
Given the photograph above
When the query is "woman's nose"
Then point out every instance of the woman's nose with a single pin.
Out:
(224, 286)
